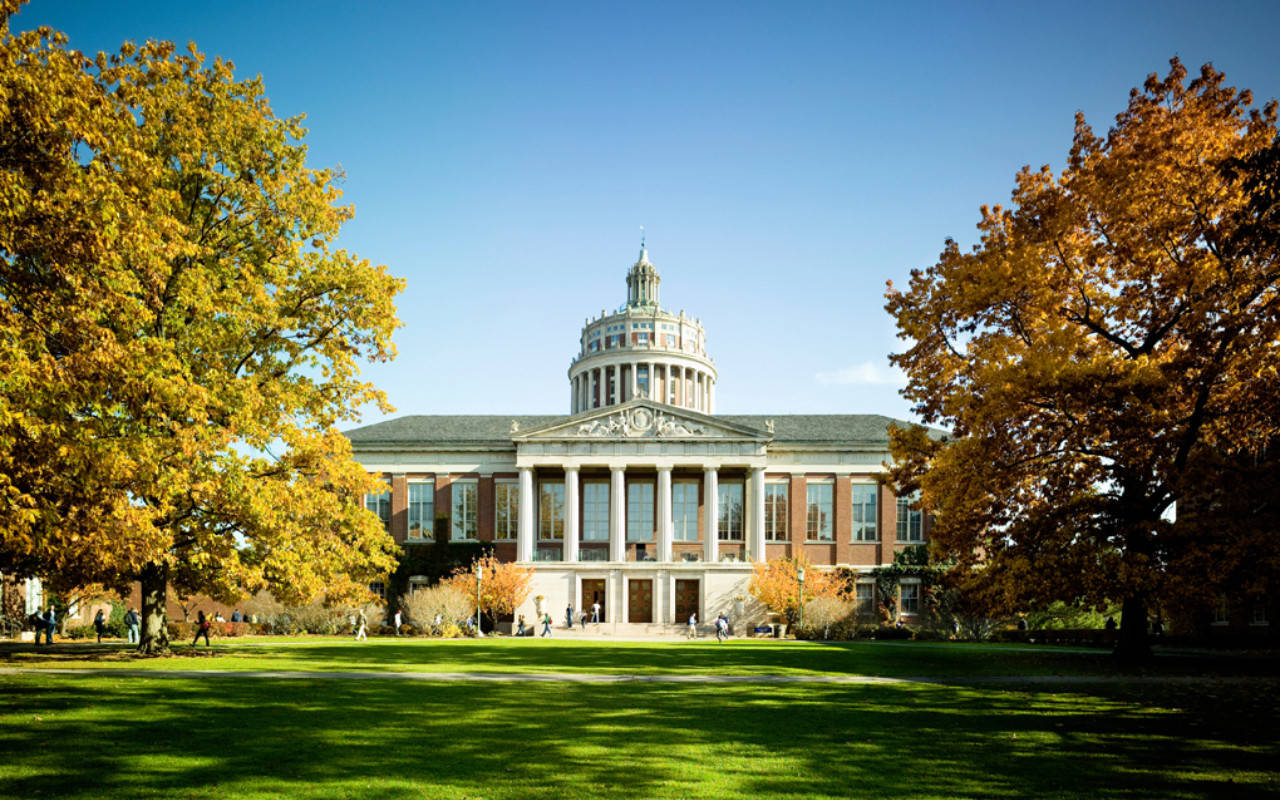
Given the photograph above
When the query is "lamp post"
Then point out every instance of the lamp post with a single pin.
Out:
(479, 576)
(800, 577)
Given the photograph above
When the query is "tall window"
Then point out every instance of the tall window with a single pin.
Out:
(464, 510)
(642, 380)
(550, 510)
(506, 510)
(819, 522)
(775, 512)
(910, 521)
(380, 504)
(684, 510)
(640, 512)
(910, 598)
(595, 511)
(730, 508)
(421, 509)
(865, 497)
(864, 598)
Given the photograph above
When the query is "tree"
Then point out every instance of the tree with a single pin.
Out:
(1116, 325)
(503, 587)
(776, 584)
(178, 335)
(823, 612)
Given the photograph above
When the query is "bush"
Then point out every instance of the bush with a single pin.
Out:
(443, 601)
(81, 632)
(450, 631)
(931, 636)
(887, 633)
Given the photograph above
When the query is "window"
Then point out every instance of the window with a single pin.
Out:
(421, 510)
(506, 509)
(378, 588)
(730, 508)
(910, 598)
(642, 381)
(1259, 616)
(684, 510)
(640, 512)
(464, 511)
(864, 598)
(865, 502)
(642, 338)
(775, 512)
(550, 510)
(1222, 611)
(380, 504)
(819, 522)
(418, 582)
(593, 554)
(910, 521)
(595, 511)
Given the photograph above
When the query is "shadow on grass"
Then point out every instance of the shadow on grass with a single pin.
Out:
(130, 737)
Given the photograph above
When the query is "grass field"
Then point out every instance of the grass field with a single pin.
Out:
(1061, 724)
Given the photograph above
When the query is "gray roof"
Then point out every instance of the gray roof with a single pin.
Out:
(495, 429)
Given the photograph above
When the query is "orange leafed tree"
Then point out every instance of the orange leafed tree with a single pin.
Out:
(179, 334)
(776, 584)
(1115, 330)
(503, 585)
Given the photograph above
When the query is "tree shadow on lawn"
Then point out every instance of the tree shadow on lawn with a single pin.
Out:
(137, 737)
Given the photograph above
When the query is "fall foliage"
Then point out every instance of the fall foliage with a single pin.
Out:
(179, 336)
(1116, 328)
(503, 587)
(776, 584)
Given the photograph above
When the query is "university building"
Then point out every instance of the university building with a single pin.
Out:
(643, 499)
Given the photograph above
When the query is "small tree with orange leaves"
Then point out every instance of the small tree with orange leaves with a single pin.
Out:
(503, 587)
(776, 584)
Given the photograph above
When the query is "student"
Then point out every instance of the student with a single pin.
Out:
(131, 625)
(99, 624)
(693, 625)
(520, 626)
(362, 622)
(202, 629)
(595, 612)
(546, 624)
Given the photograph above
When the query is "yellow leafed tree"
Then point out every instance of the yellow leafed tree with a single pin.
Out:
(179, 336)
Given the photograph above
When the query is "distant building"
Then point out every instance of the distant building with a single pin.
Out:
(643, 499)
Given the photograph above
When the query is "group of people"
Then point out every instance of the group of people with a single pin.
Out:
(46, 624)
(721, 625)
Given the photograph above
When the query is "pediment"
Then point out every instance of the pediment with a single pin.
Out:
(642, 419)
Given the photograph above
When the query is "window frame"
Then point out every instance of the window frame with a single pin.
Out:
(588, 522)
(512, 510)
(910, 520)
(639, 519)
(857, 514)
(547, 519)
(469, 517)
(771, 520)
(812, 523)
(382, 502)
(725, 529)
(427, 525)
(684, 522)
(902, 598)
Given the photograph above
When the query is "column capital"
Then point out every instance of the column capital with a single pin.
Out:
(571, 468)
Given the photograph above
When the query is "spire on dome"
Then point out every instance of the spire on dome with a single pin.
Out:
(642, 279)
(644, 254)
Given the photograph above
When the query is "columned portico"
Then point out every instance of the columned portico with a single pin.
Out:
(571, 535)
(755, 524)
(664, 514)
(524, 540)
(617, 513)
(711, 501)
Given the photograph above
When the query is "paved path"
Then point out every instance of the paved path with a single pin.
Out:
(594, 677)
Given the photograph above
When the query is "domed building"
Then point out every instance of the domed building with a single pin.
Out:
(641, 499)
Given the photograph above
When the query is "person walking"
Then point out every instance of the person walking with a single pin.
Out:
(202, 629)
(693, 625)
(546, 624)
(722, 628)
(99, 624)
(595, 612)
(583, 620)
(362, 622)
(50, 624)
(568, 616)
(520, 626)
(131, 625)
(399, 619)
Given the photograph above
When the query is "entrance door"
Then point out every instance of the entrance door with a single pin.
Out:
(639, 600)
(686, 600)
(593, 592)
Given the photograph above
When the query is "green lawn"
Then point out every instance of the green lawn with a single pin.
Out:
(1152, 734)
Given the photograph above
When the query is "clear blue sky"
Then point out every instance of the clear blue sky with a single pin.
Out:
(786, 159)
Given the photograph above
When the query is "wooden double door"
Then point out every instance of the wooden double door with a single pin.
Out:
(687, 599)
(640, 600)
(593, 591)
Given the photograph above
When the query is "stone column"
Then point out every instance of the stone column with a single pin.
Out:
(713, 398)
(652, 393)
(665, 524)
(711, 502)
(570, 514)
(617, 513)
(524, 538)
(755, 528)
(635, 380)
(591, 390)
(573, 396)
(617, 383)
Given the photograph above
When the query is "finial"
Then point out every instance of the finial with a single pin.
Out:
(643, 256)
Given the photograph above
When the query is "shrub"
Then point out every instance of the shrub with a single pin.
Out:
(81, 632)
(930, 635)
(821, 613)
(450, 631)
(887, 633)
(443, 601)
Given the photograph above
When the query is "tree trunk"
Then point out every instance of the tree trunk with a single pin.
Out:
(1133, 645)
(155, 630)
